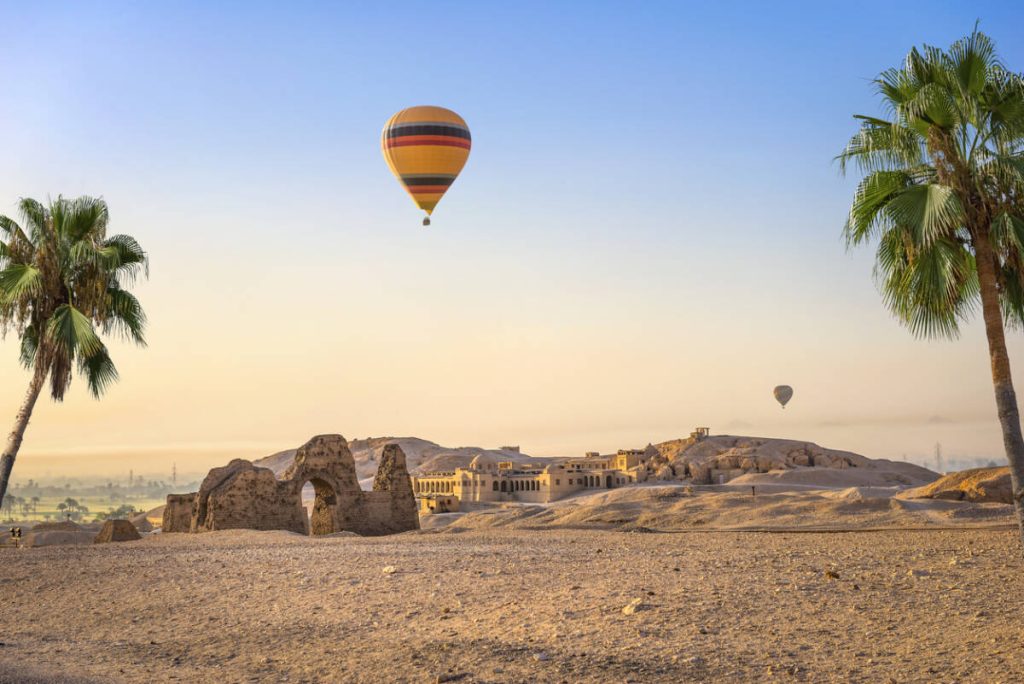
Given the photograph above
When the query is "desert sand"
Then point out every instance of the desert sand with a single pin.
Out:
(507, 605)
(772, 506)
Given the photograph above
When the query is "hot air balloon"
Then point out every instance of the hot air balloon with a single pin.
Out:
(783, 393)
(426, 147)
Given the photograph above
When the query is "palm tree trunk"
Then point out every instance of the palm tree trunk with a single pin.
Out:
(1006, 398)
(20, 424)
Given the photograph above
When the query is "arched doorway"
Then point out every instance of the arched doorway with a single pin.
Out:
(608, 481)
(321, 512)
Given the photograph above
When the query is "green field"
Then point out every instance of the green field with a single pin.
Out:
(46, 507)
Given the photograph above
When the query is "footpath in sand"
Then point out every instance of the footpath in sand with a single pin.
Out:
(507, 605)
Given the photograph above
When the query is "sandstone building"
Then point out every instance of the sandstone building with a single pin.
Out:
(241, 495)
(488, 480)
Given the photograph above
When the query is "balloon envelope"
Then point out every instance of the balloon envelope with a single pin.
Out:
(426, 147)
(783, 393)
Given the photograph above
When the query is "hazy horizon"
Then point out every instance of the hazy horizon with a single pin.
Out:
(637, 245)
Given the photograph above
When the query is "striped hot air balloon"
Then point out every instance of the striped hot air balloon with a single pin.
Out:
(426, 147)
(783, 393)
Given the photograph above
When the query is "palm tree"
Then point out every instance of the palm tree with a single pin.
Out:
(943, 193)
(63, 280)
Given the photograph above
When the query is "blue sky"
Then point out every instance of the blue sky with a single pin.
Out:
(646, 234)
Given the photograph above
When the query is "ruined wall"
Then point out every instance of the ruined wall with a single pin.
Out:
(178, 513)
(117, 531)
(393, 484)
(242, 495)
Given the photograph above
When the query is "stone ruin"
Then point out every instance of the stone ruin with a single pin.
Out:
(241, 495)
(117, 531)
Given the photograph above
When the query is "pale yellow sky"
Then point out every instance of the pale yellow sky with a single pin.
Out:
(255, 353)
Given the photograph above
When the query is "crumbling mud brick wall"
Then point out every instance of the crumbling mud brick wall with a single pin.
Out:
(243, 495)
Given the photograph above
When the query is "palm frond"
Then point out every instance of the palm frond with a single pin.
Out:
(126, 316)
(18, 281)
(70, 332)
(82, 218)
(123, 255)
(881, 146)
(971, 59)
(930, 210)
(11, 231)
(867, 213)
(99, 371)
(931, 290)
(29, 346)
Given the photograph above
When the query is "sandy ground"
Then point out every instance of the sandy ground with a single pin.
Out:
(507, 605)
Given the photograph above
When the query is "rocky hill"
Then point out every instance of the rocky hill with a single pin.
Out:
(714, 459)
(726, 458)
(983, 485)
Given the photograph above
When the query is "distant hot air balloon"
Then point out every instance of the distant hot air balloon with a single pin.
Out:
(783, 393)
(426, 147)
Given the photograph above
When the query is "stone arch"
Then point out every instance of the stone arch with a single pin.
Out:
(325, 501)
(504, 488)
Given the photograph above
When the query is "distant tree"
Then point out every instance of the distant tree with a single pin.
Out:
(62, 507)
(123, 511)
(62, 282)
(35, 504)
(943, 194)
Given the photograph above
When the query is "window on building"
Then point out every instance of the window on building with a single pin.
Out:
(558, 482)
(495, 485)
